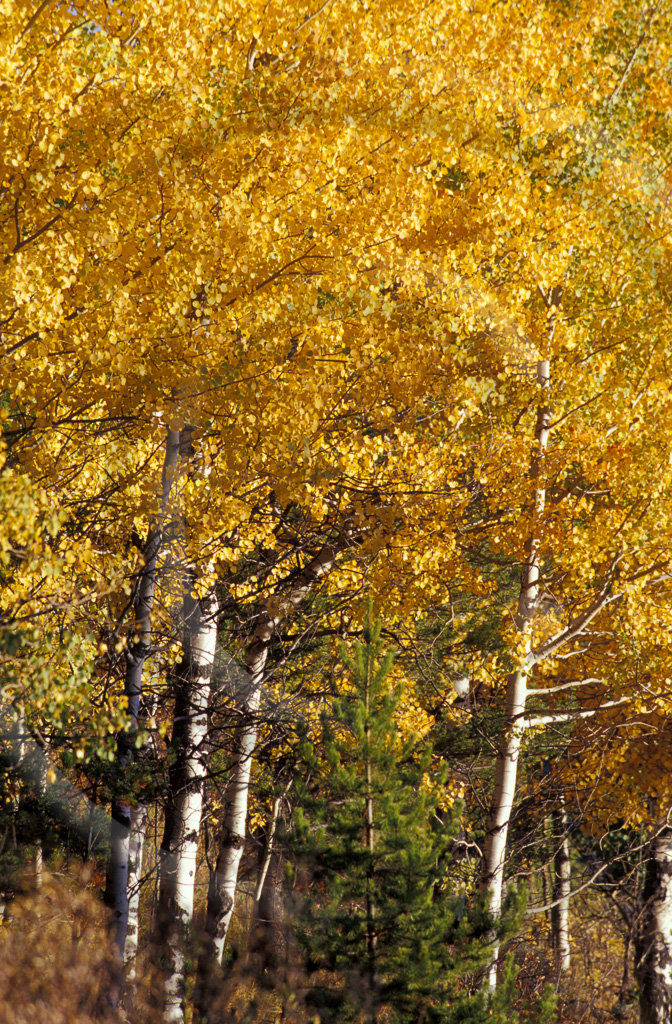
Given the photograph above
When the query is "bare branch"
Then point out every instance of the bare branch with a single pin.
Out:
(563, 686)
(567, 716)
(576, 627)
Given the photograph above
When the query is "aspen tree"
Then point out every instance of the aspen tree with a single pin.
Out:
(139, 819)
(185, 798)
(324, 228)
(562, 885)
(223, 879)
(636, 753)
(653, 945)
(136, 655)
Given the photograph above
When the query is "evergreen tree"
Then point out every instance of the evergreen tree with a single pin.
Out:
(383, 926)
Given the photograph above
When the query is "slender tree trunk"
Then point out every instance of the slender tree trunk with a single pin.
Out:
(370, 845)
(185, 798)
(222, 886)
(506, 770)
(653, 944)
(139, 822)
(562, 884)
(139, 816)
(223, 880)
(116, 892)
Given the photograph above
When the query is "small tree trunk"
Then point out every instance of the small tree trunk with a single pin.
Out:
(185, 798)
(139, 821)
(222, 886)
(116, 891)
(139, 816)
(223, 880)
(562, 883)
(653, 945)
(506, 770)
(370, 845)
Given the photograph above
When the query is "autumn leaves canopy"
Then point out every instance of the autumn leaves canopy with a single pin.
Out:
(331, 246)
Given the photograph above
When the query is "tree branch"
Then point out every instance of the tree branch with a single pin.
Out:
(567, 716)
(563, 686)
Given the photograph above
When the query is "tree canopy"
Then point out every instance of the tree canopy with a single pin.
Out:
(304, 306)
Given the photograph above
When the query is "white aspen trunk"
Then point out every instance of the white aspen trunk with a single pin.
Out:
(223, 880)
(139, 816)
(139, 821)
(39, 866)
(370, 844)
(653, 947)
(116, 891)
(562, 885)
(506, 770)
(187, 775)
(222, 888)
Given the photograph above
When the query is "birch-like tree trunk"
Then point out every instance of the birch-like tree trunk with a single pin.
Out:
(562, 883)
(370, 845)
(223, 880)
(222, 886)
(116, 891)
(136, 846)
(516, 722)
(506, 770)
(139, 820)
(653, 945)
(187, 775)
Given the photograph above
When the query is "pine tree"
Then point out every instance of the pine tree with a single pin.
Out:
(383, 926)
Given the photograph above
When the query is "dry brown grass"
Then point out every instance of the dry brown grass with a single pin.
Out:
(56, 962)
(58, 966)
